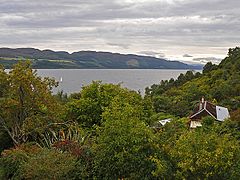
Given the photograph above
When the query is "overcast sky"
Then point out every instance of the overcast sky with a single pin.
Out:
(189, 30)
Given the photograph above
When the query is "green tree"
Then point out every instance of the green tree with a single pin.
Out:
(206, 155)
(3, 81)
(209, 67)
(218, 82)
(125, 146)
(27, 104)
(87, 106)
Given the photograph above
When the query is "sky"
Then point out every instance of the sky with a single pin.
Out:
(192, 31)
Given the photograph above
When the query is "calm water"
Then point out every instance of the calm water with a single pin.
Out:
(135, 79)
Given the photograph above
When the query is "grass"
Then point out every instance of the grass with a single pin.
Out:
(11, 59)
(60, 61)
(50, 60)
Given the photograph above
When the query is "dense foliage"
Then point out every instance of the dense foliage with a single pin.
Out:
(109, 132)
(218, 83)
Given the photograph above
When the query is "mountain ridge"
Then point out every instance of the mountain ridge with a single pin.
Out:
(49, 59)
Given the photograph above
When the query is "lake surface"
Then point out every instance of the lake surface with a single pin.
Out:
(135, 79)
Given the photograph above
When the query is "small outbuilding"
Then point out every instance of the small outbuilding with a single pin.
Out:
(206, 108)
(164, 121)
(158, 124)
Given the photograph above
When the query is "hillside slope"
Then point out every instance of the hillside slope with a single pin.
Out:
(218, 83)
(86, 59)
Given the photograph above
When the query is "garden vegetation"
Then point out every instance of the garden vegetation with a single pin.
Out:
(106, 131)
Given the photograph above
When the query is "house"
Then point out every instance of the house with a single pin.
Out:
(206, 108)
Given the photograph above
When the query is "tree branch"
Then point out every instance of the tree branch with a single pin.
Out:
(2, 121)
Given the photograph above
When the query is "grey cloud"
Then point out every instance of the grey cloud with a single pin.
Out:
(125, 46)
(122, 26)
(208, 59)
(152, 53)
(187, 55)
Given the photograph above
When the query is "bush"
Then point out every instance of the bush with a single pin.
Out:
(1, 173)
(12, 159)
(208, 121)
(83, 167)
(48, 164)
(32, 162)
(201, 155)
(5, 141)
(235, 116)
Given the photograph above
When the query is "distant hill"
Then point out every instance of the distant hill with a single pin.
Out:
(48, 59)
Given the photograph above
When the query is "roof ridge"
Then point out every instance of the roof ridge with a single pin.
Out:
(210, 103)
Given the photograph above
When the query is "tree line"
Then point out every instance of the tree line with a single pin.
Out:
(106, 131)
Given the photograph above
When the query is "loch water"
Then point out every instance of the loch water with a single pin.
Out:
(72, 80)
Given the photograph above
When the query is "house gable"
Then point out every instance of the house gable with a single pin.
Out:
(206, 108)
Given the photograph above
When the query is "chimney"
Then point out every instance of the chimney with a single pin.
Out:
(201, 104)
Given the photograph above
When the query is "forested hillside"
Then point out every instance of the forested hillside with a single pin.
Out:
(47, 59)
(218, 83)
(106, 131)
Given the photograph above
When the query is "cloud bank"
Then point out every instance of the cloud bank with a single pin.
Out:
(170, 28)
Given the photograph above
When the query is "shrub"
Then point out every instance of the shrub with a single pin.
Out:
(31, 162)
(12, 159)
(48, 164)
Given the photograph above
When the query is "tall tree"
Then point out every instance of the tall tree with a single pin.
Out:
(26, 104)
(125, 145)
(87, 106)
